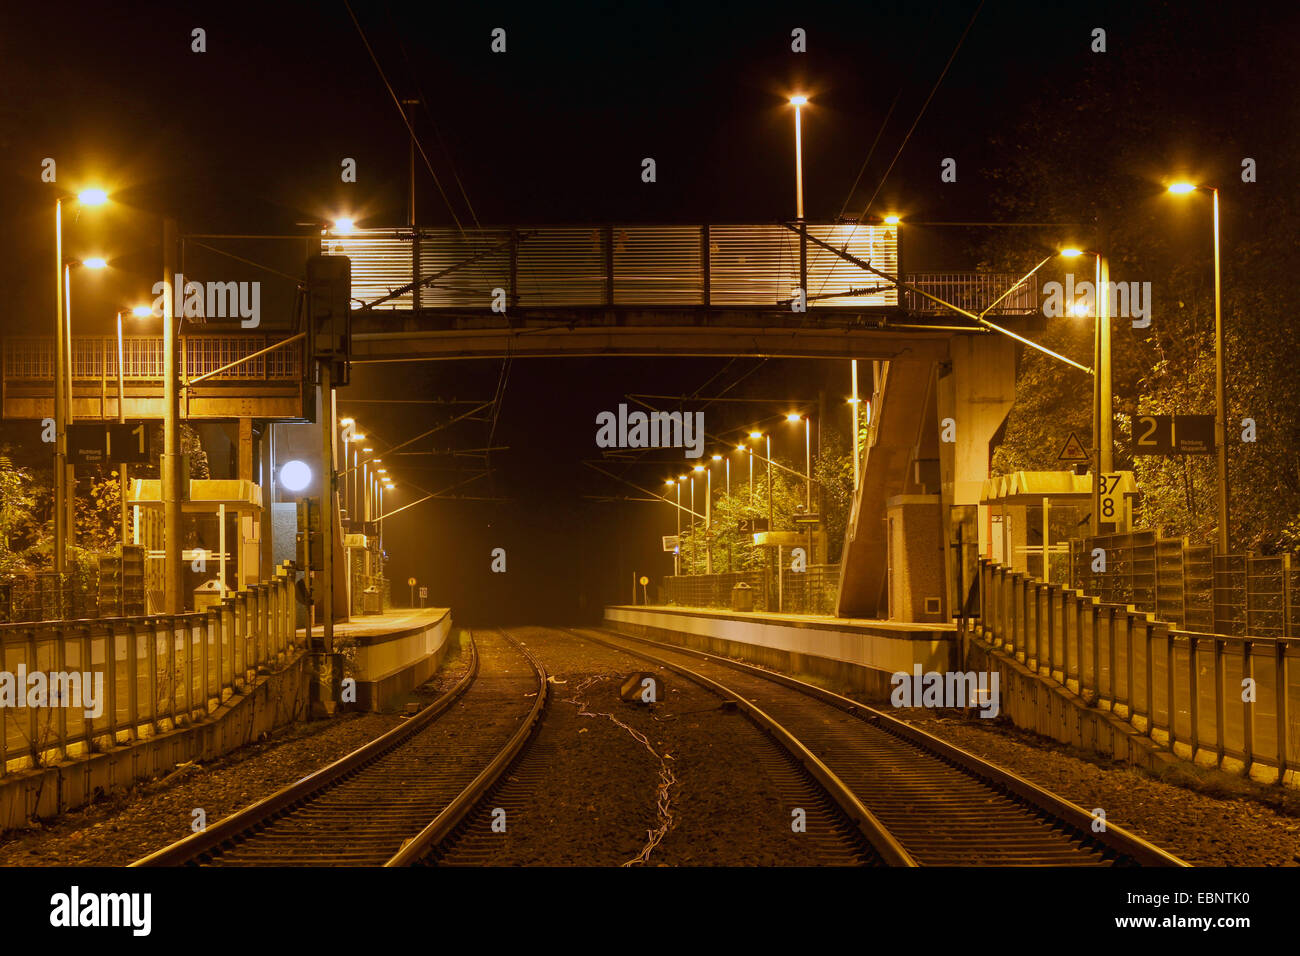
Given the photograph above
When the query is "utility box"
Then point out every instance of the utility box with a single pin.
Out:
(372, 601)
(207, 595)
(742, 597)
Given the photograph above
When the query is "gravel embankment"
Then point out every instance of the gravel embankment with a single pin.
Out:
(598, 801)
(127, 826)
(1206, 817)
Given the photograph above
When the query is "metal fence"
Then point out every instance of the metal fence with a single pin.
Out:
(50, 596)
(1188, 586)
(94, 358)
(156, 673)
(806, 592)
(1179, 687)
(973, 292)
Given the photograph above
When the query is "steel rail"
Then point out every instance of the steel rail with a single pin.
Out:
(189, 849)
(873, 831)
(1115, 837)
(414, 849)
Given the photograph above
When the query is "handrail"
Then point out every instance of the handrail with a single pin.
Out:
(1109, 654)
(154, 672)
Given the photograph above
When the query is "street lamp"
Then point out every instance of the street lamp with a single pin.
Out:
(794, 418)
(677, 570)
(139, 312)
(798, 102)
(70, 481)
(1102, 392)
(1220, 390)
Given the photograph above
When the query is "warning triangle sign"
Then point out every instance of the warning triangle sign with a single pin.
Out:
(1073, 450)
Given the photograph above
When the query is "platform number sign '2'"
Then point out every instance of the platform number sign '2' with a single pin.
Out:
(1111, 497)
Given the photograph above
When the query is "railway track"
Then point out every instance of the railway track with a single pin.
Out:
(391, 801)
(927, 803)
(836, 837)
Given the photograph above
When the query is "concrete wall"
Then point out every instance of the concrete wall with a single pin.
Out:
(916, 562)
(388, 666)
(856, 656)
(278, 698)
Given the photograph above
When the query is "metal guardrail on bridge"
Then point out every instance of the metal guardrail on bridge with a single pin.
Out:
(94, 358)
(754, 265)
(621, 265)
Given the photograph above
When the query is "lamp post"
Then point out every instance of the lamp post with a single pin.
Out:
(854, 401)
(1220, 389)
(677, 550)
(807, 441)
(88, 197)
(694, 546)
(139, 312)
(70, 481)
(798, 102)
(1102, 394)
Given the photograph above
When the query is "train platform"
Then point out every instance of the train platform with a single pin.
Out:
(850, 654)
(390, 654)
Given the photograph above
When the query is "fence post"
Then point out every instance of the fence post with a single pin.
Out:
(1130, 697)
(1194, 694)
(153, 674)
(1281, 694)
(110, 664)
(1095, 634)
(60, 663)
(88, 723)
(202, 626)
(1150, 682)
(1247, 710)
(1170, 706)
(1053, 622)
(1218, 701)
(133, 678)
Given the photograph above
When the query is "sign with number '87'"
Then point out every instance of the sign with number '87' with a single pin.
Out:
(1111, 497)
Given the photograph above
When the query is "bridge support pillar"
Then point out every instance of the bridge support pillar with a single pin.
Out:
(977, 388)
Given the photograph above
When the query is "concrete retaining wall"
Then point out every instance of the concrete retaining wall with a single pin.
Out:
(389, 665)
(842, 654)
(276, 699)
(1043, 706)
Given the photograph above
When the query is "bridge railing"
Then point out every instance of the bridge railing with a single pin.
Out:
(155, 673)
(1230, 696)
(621, 265)
(94, 358)
(973, 292)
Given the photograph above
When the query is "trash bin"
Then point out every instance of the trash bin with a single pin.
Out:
(742, 597)
(207, 595)
(371, 601)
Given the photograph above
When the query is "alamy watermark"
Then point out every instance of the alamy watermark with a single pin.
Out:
(212, 300)
(655, 430)
(1127, 300)
(84, 689)
(949, 689)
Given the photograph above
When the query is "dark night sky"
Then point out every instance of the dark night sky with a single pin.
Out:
(248, 138)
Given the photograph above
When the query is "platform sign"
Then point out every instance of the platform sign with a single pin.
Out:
(752, 525)
(108, 444)
(1193, 434)
(424, 592)
(1074, 450)
(1173, 435)
(1111, 498)
(672, 543)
